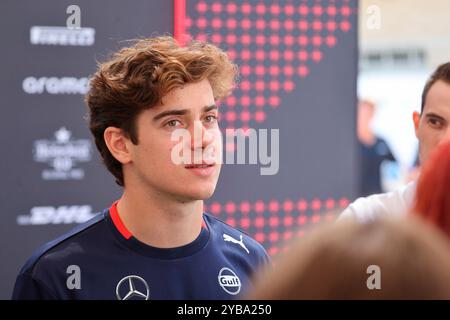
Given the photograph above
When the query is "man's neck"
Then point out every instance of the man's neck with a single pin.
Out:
(159, 221)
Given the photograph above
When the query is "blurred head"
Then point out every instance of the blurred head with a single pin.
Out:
(365, 114)
(337, 261)
(433, 189)
(145, 92)
(432, 124)
(366, 110)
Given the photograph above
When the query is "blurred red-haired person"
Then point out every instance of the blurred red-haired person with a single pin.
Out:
(433, 189)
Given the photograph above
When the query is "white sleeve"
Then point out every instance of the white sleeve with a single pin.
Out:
(362, 209)
(396, 203)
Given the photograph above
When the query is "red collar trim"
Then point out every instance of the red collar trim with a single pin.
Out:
(118, 222)
(121, 227)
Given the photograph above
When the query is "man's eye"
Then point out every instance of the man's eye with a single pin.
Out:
(210, 119)
(435, 122)
(173, 123)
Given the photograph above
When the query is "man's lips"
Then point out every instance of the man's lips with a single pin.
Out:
(202, 170)
(199, 166)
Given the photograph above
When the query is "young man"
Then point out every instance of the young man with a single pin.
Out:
(432, 127)
(155, 242)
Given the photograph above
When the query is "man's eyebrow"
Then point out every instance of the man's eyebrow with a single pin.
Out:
(170, 113)
(181, 112)
(209, 108)
(434, 115)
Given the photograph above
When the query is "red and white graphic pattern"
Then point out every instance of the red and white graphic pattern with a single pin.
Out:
(276, 44)
(275, 222)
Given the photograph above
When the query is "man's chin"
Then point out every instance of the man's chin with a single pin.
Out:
(202, 195)
(196, 195)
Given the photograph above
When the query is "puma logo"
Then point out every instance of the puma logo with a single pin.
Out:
(228, 238)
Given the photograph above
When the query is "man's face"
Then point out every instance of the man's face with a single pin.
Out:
(192, 110)
(366, 111)
(433, 125)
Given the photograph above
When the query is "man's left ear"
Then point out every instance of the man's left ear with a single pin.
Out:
(118, 144)
(416, 121)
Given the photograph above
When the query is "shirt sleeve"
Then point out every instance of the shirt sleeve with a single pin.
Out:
(264, 258)
(363, 209)
(347, 213)
(28, 288)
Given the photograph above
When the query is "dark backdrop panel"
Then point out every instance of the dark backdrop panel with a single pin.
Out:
(31, 117)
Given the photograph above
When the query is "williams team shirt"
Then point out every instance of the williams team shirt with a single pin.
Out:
(101, 259)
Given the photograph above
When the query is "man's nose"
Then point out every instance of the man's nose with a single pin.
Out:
(201, 136)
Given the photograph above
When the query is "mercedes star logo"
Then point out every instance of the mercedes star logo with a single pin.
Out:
(132, 288)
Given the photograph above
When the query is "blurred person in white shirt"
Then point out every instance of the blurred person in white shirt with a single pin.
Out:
(432, 128)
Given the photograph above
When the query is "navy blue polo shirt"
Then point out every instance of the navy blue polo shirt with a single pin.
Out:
(101, 259)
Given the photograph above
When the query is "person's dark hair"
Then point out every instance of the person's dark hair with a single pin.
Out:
(441, 73)
(138, 77)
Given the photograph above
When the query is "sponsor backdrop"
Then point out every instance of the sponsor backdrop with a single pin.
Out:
(297, 91)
